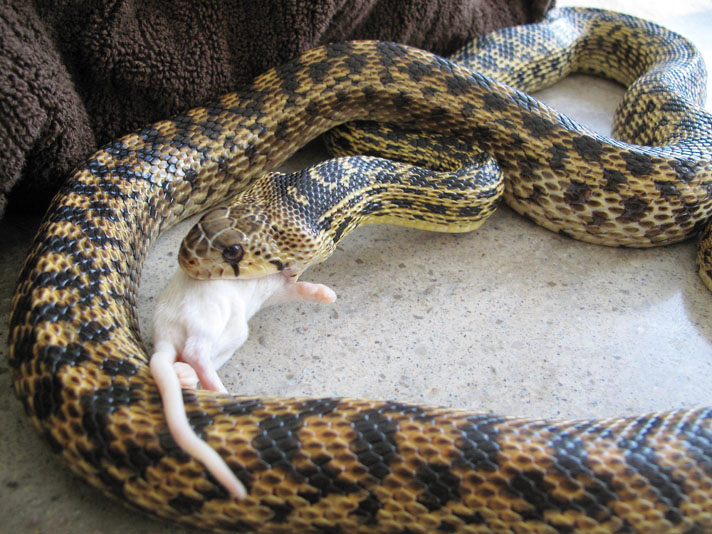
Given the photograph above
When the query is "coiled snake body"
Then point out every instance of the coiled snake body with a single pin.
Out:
(339, 465)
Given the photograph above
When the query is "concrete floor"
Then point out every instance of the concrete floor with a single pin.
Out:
(511, 319)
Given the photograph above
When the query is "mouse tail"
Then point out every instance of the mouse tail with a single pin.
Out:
(172, 397)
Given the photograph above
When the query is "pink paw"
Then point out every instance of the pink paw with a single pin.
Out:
(316, 292)
(187, 376)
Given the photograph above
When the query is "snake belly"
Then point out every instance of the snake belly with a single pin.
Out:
(329, 465)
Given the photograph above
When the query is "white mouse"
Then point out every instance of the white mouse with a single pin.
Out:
(197, 327)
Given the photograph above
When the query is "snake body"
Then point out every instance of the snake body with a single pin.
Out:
(288, 222)
(342, 465)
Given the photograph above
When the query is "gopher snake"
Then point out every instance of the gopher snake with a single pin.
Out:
(339, 465)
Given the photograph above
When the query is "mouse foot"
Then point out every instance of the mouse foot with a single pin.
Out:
(316, 292)
(187, 376)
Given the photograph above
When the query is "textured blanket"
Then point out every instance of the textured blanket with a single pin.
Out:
(74, 75)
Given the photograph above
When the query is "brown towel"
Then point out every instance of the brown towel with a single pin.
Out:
(75, 75)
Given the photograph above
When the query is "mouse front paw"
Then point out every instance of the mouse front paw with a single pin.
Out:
(316, 292)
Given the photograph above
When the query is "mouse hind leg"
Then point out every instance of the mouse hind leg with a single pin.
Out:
(199, 354)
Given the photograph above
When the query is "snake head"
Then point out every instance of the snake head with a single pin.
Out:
(239, 241)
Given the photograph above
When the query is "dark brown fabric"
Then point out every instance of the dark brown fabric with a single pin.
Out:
(77, 73)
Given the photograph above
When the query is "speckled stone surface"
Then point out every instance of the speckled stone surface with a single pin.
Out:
(510, 319)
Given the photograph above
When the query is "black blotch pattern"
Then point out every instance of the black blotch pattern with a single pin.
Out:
(53, 312)
(698, 437)
(470, 211)
(341, 228)
(577, 194)
(402, 203)
(367, 510)
(638, 164)
(251, 152)
(588, 148)
(572, 458)
(685, 170)
(559, 153)
(289, 82)
(251, 106)
(633, 209)
(197, 419)
(495, 102)
(83, 219)
(94, 331)
(97, 407)
(444, 526)
(468, 109)
(241, 407)
(341, 49)
(667, 189)
(375, 445)
(102, 210)
(440, 486)
(417, 70)
(209, 128)
(372, 207)
(328, 529)
(116, 367)
(281, 510)
(330, 172)
(614, 179)
(528, 168)
(278, 265)
(457, 85)
(471, 519)
(355, 63)
(185, 505)
(435, 208)
(479, 445)
(281, 130)
(538, 126)
(278, 442)
(438, 115)
(318, 70)
(403, 100)
(532, 488)
(326, 479)
(54, 357)
(47, 399)
(643, 459)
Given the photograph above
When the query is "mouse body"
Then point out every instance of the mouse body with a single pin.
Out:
(197, 326)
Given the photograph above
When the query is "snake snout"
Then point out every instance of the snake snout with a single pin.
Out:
(194, 247)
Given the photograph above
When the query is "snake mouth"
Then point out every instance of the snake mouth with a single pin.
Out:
(248, 270)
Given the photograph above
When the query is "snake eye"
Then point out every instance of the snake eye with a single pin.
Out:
(233, 253)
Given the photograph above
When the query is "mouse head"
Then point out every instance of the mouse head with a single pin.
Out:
(244, 240)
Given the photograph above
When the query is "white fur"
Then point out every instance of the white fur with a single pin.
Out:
(202, 323)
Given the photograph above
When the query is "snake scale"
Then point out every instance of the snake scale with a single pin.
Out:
(354, 466)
